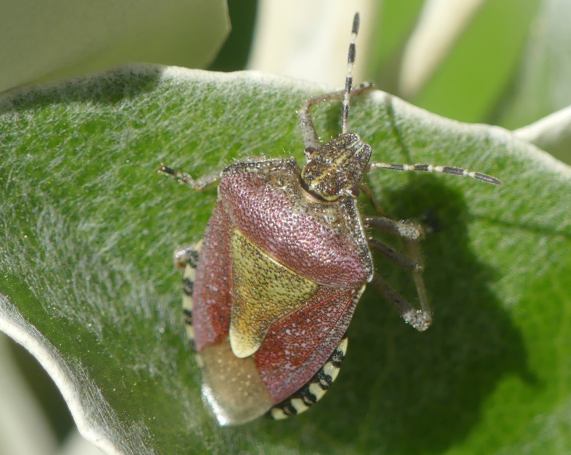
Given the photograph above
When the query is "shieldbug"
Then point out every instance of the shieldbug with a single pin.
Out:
(270, 291)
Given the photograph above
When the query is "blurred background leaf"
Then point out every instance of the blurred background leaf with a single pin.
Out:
(460, 58)
(551, 133)
(49, 40)
(542, 87)
(233, 55)
(20, 410)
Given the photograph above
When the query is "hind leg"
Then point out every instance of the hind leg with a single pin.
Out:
(187, 258)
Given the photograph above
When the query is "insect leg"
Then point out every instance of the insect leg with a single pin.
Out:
(397, 257)
(406, 229)
(187, 255)
(412, 233)
(420, 319)
(451, 170)
(310, 137)
(187, 258)
(181, 177)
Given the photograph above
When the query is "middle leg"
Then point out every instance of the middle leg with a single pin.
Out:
(419, 319)
(411, 233)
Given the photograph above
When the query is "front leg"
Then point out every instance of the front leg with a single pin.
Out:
(196, 184)
(200, 184)
(310, 137)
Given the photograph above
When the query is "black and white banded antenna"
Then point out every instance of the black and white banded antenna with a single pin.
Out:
(349, 76)
(450, 170)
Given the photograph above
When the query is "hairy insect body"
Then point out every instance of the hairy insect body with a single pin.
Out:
(277, 281)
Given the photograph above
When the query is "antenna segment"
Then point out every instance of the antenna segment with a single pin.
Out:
(349, 77)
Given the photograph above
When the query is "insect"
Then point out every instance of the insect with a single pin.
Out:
(270, 291)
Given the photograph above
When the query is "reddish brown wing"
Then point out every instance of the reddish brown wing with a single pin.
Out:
(211, 296)
(296, 347)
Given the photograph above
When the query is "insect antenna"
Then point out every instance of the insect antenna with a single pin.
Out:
(349, 76)
(451, 170)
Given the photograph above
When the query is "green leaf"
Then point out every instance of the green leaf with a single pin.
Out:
(88, 229)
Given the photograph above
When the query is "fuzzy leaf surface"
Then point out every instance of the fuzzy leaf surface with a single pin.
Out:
(88, 229)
